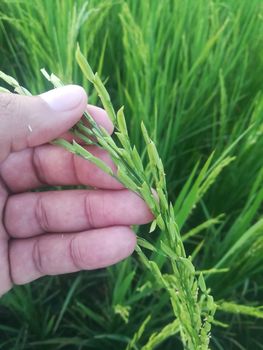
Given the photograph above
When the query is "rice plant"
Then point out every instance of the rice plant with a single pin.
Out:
(192, 72)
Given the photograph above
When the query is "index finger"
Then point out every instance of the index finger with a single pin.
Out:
(54, 166)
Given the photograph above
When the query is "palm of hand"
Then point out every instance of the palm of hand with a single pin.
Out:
(54, 232)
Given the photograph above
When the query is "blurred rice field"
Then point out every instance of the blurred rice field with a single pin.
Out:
(192, 71)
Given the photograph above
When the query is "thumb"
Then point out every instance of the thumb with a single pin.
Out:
(28, 121)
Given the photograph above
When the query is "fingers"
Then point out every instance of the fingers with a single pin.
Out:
(52, 165)
(27, 121)
(57, 254)
(101, 118)
(32, 214)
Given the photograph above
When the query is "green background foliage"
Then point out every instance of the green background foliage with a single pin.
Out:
(192, 71)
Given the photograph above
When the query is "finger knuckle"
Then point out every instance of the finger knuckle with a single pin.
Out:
(37, 258)
(89, 210)
(39, 167)
(77, 254)
(41, 214)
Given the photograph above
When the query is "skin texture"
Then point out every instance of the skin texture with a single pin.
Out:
(51, 232)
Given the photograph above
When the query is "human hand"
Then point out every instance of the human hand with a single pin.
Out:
(55, 232)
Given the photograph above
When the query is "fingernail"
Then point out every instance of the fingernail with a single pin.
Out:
(64, 98)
